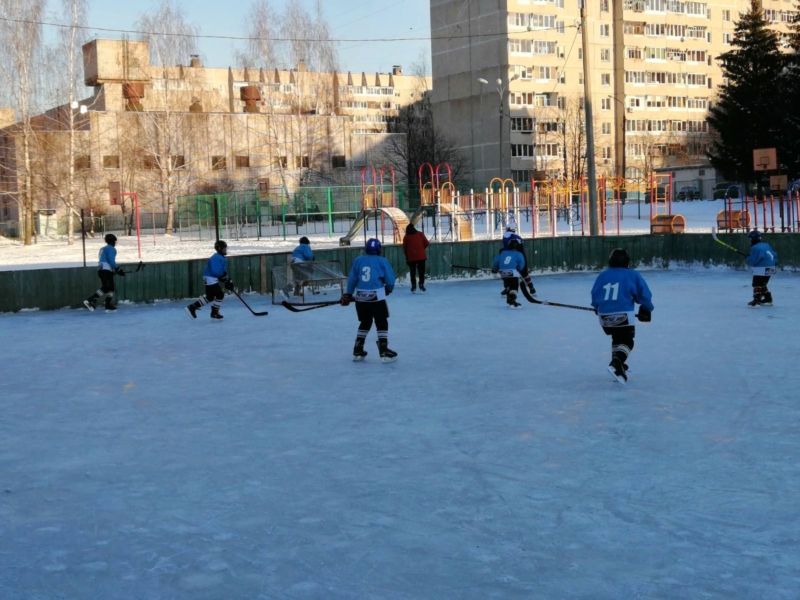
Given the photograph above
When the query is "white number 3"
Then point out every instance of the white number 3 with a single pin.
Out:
(366, 274)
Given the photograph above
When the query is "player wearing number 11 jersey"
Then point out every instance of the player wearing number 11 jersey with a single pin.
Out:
(371, 279)
(615, 293)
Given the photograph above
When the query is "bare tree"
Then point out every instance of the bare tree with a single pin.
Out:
(20, 46)
(164, 131)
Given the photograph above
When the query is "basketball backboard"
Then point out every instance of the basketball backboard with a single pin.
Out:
(765, 159)
(778, 183)
(114, 193)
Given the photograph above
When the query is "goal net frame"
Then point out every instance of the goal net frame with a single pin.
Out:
(308, 283)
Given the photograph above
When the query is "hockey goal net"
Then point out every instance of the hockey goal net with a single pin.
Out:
(313, 282)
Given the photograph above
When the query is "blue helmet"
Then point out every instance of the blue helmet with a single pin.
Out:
(754, 235)
(373, 246)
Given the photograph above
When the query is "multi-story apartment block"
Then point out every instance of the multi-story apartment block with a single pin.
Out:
(170, 130)
(654, 70)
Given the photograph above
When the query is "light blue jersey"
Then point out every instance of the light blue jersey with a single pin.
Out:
(509, 263)
(762, 258)
(371, 276)
(108, 258)
(302, 254)
(616, 291)
(216, 269)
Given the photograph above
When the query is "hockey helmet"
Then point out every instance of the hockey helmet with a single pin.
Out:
(619, 258)
(373, 246)
(512, 227)
(110, 239)
(221, 246)
(514, 245)
(755, 236)
(304, 240)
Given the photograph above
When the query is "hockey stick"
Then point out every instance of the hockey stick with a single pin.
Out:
(533, 300)
(728, 246)
(291, 307)
(139, 267)
(255, 314)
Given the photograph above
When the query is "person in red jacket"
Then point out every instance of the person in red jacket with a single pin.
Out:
(414, 244)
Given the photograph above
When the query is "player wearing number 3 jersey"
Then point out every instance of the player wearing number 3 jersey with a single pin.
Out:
(371, 279)
(615, 293)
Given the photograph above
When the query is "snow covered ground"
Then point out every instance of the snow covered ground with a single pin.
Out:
(700, 217)
(146, 456)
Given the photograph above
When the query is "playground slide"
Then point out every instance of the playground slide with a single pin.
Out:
(396, 216)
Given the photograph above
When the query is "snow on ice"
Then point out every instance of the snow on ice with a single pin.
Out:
(147, 456)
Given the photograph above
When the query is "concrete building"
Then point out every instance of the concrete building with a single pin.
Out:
(166, 131)
(654, 70)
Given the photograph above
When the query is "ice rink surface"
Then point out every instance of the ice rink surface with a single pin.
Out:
(148, 457)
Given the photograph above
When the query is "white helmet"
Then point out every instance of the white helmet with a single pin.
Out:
(512, 227)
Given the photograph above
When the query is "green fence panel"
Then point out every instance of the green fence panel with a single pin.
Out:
(51, 289)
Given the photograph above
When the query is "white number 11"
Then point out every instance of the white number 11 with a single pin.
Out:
(608, 287)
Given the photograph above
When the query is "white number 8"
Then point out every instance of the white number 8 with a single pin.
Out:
(366, 274)
(507, 261)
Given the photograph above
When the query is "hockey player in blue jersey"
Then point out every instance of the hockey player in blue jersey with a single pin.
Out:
(763, 259)
(615, 293)
(511, 236)
(510, 263)
(214, 276)
(107, 268)
(301, 254)
(371, 279)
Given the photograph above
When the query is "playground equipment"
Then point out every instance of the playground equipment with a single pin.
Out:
(661, 218)
(378, 204)
(764, 212)
(446, 200)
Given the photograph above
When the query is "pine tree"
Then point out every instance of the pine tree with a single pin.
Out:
(745, 116)
(789, 146)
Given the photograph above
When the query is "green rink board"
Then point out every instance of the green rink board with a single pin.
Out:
(51, 289)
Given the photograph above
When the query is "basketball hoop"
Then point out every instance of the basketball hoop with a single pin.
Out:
(765, 159)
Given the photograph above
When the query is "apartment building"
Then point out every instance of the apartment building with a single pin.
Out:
(654, 76)
(169, 130)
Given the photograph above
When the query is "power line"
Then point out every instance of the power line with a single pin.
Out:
(274, 39)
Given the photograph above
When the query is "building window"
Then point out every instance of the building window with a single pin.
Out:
(605, 30)
(726, 39)
(605, 104)
(604, 5)
(562, 77)
(178, 161)
(605, 79)
(83, 162)
(605, 54)
(301, 162)
(522, 124)
(280, 162)
(111, 162)
(338, 161)
(150, 161)
(580, 53)
(561, 102)
(219, 163)
(606, 128)
(242, 162)
(580, 78)
(726, 15)
(607, 152)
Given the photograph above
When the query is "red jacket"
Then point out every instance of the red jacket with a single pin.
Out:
(414, 246)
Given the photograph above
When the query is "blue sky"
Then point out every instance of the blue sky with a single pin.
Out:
(348, 18)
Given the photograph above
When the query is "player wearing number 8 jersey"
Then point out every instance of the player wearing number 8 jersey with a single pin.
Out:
(371, 279)
(615, 293)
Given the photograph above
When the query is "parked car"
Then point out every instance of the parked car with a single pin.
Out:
(688, 192)
(725, 189)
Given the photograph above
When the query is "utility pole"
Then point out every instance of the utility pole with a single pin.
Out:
(594, 228)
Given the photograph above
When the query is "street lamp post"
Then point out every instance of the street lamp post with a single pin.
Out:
(501, 91)
(624, 136)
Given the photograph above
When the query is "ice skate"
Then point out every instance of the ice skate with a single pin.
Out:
(215, 314)
(504, 292)
(754, 303)
(89, 304)
(111, 308)
(514, 304)
(617, 370)
(422, 287)
(386, 354)
(191, 310)
(413, 289)
(359, 353)
(532, 290)
(766, 299)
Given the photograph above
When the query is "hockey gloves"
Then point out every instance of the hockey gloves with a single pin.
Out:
(229, 285)
(119, 271)
(644, 315)
(387, 290)
(346, 299)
